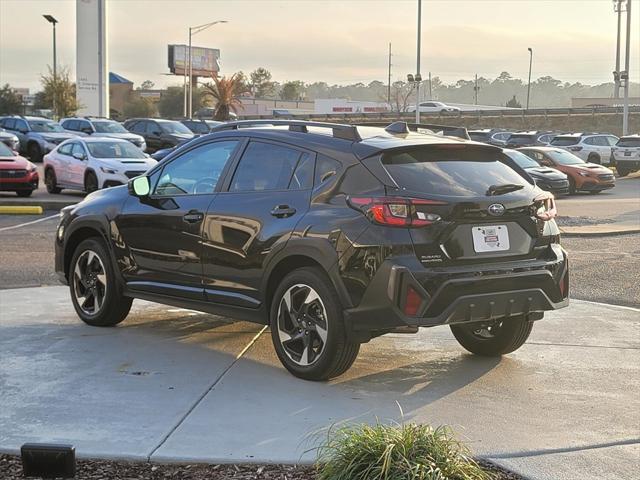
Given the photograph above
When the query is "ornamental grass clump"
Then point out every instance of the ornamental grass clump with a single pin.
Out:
(396, 452)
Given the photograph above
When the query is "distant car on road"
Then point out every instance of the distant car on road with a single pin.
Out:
(546, 178)
(37, 135)
(159, 133)
(91, 163)
(587, 177)
(435, 107)
(626, 155)
(17, 174)
(529, 139)
(10, 140)
(590, 147)
(102, 127)
(492, 136)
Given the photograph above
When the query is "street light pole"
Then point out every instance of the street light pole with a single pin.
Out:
(616, 74)
(627, 72)
(418, 77)
(529, 84)
(193, 31)
(53, 22)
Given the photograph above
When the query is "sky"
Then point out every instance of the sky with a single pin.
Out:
(339, 42)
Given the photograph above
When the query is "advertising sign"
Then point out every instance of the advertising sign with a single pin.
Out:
(204, 61)
(92, 72)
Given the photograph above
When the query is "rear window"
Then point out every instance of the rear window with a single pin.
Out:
(565, 141)
(478, 136)
(629, 142)
(457, 172)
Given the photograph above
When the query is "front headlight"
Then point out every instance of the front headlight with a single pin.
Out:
(60, 231)
(583, 174)
(109, 171)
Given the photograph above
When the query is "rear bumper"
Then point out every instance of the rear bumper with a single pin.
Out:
(461, 297)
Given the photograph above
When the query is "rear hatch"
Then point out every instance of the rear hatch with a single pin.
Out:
(627, 148)
(482, 209)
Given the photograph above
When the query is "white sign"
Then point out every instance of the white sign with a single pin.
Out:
(92, 72)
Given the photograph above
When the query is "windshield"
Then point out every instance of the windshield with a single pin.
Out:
(114, 150)
(453, 172)
(174, 127)
(521, 159)
(521, 138)
(109, 127)
(565, 141)
(564, 158)
(5, 151)
(628, 142)
(45, 126)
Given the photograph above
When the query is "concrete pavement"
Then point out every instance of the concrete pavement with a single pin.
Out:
(175, 385)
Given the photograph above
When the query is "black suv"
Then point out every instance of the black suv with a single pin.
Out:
(331, 234)
(530, 139)
(159, 133)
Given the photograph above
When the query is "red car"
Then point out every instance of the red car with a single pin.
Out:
(17, 174)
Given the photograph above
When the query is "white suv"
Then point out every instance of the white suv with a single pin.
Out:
(435, 107)
(91, 163)
(590, 147)
(626, 154)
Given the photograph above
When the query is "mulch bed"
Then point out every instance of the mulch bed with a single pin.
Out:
(11, 469)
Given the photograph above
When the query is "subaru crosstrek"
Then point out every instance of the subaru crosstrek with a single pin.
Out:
(330, 234)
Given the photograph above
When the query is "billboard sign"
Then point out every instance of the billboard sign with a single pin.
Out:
(92, 73)
(204, 61)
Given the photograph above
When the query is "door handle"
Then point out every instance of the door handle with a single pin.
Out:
(283, 211)
(193, 216)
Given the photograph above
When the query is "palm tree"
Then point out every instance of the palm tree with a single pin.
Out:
(225, 92)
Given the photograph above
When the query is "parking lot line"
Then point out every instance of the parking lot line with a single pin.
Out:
(29, 223)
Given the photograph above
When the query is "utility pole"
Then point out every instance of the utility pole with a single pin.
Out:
(529, 84)
(430, 91)
(617, 7)
(475, 90)
(418, 77)
(627, 74)
(53, 22)
(389, 79)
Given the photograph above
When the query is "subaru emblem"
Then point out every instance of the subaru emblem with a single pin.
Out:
(496, 209)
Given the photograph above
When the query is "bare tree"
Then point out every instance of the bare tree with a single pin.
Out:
(400, 94)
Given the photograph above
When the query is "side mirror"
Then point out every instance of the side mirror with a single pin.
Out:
(139, 186)
(15, 153)
(157, 133)
(87, 130)
(79, 156)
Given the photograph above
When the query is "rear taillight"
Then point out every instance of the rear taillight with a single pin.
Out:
(412, 302)
(396, 211)
(575, 149)
(545, 207)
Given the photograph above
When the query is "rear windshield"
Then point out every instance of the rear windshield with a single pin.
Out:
(628, 142)
(565, 141)
(457, 172)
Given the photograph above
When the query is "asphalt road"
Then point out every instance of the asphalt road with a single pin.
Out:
(603, 269)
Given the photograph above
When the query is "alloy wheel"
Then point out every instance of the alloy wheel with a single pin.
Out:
(89, 282)
(302, 324)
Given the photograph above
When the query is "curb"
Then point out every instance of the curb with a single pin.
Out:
(44, 205)
(608, 233)
(20, 210)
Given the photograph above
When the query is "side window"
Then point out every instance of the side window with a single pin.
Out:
(196, 171)
(84, 126)
(153, 128)
(265, 166)
(611, 141)
(590, 141)
(325, 169)
(21, 125)
(302, 178)
(137, 127)
(9, 123)
(66, 149)
(78, 148)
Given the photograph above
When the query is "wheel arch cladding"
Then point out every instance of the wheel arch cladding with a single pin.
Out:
(77, 236)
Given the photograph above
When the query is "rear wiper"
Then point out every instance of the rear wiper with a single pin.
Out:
(501, 189)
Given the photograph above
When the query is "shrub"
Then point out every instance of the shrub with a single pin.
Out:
(396, 452)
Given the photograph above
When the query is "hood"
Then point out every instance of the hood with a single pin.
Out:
(592, 167)
(546, 172)
(58, 135)
(122, 136)
(14, 163)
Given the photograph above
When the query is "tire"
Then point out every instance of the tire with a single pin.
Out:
(90, 182)
(34, 152)
(50, 181)
(623, 172)
(24, 193)
(509, 335)
(572, 186)
(594, 158)
(292, 336)
(87, 273)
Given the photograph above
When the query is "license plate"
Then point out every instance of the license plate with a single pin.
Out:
(492, 238)
(627, 154)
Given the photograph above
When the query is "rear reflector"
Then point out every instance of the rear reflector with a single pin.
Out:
(412, 302)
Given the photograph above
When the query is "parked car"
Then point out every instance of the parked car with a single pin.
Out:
(546, 178)
(529, 139)
(626, 155)
(159, 133)
(590, 147)
(91, 163)
(200, 127)
(331, 239)
(10, 140)
(37, 135)
(492, 136)
(435, 107)
(102, 127)
(587, 177)
(17, 174)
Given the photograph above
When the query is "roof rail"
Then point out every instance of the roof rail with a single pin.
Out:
(345, 132)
